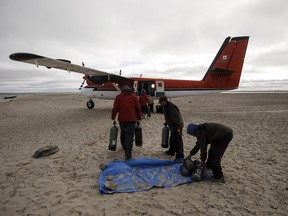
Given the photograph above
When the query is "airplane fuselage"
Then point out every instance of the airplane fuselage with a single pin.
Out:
(154, 87)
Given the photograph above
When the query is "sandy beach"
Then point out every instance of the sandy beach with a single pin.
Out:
(255, 163)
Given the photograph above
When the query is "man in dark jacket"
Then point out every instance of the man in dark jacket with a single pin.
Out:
(219, 136)
(127, 106)
(174, 121)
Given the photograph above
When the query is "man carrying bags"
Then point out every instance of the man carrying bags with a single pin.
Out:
(174, 121)
(127, 106)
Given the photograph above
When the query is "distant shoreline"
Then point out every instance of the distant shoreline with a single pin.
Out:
(254, 92)
(3, 95)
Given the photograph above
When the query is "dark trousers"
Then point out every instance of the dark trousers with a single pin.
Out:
(126, 137)
(151, 107)
(216, 153)
(176, 144)
(144, 110)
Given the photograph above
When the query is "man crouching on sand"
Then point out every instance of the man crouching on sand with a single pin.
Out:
(219, 136)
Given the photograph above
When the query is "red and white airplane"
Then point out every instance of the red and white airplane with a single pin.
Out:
(223, 74)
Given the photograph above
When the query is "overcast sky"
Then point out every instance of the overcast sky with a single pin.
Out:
(155, 38)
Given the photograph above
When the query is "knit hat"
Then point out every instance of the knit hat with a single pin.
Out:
(192, 128)
(125, 88)
(162, 99)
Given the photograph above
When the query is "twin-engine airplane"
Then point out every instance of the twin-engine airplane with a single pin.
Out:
(223, 74)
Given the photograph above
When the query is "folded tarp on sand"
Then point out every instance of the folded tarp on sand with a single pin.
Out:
(141, 174)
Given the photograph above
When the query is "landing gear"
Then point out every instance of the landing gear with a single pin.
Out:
(90, 104)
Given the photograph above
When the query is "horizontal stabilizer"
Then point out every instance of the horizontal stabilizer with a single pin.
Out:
(220, 71)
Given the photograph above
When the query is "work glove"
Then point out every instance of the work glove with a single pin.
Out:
(179, 131)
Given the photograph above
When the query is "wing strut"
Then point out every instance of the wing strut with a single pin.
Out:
(116, 86)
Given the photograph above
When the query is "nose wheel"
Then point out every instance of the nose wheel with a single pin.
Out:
(90, 104)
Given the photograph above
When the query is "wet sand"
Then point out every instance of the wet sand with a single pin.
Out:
(66, 183)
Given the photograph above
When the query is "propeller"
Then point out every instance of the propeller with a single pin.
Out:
(81, 86)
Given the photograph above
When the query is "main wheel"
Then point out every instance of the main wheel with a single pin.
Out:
(90, 104)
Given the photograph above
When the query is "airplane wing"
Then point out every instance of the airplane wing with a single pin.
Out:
(64, 64)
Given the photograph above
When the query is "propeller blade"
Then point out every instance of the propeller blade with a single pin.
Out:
(81, 86)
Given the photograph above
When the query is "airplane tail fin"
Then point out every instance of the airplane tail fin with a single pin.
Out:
(226, 68)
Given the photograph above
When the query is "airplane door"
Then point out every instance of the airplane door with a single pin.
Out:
(160, 90)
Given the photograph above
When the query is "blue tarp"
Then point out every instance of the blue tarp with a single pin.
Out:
(142, 174)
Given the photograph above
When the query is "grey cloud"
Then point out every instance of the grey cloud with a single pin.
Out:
(164, 37)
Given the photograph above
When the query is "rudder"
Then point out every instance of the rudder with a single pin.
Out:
(226, 68)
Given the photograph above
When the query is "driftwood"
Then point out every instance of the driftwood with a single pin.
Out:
(10, 97)
(46, 151)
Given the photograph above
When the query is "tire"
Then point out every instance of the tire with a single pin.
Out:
(90, 104)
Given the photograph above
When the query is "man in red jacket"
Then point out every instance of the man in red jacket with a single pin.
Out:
(127, 106)
(143, 100)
